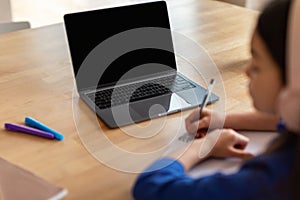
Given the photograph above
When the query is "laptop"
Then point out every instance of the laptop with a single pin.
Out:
(124, 64)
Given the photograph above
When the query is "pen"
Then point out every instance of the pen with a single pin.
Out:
(202, 132)
(29, 130)
(36, 124)
(207, 95)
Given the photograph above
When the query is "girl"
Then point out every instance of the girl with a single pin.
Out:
(273, 175)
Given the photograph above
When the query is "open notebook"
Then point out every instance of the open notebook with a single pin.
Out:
(18, 183)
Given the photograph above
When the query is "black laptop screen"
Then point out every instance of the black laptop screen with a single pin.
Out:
(86, 30)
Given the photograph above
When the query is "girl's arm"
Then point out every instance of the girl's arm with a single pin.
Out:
(250, 120)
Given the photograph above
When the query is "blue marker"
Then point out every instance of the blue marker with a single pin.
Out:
(36, 124)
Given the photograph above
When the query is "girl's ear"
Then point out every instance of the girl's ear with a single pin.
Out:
(289, 102)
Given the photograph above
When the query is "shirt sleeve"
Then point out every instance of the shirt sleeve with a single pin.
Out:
(256, 179)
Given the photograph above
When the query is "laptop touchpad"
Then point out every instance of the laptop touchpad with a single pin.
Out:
(159, 106)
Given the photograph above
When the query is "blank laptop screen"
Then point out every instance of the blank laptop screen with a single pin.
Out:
(86, 30)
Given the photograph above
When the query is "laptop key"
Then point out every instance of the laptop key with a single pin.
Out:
(138, 91)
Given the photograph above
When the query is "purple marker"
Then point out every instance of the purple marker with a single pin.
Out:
(29, 130)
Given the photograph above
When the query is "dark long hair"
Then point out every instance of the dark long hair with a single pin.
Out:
(272, 27)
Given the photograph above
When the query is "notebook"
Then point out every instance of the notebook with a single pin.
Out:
(124, 64)
(18, 183)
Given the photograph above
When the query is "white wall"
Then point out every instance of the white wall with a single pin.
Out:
(5, 11)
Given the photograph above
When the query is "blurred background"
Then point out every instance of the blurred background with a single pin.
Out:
(41, 12)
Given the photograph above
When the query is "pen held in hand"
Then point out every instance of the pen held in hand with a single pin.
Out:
(202, 132)
(207, 96)
(205, 101)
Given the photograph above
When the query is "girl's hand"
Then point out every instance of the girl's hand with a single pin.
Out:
(209, 119)
(218, 143)
(228, 143)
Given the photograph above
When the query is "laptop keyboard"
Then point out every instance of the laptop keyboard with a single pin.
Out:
(138, 91)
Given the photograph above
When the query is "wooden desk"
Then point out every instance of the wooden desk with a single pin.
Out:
(36, 80)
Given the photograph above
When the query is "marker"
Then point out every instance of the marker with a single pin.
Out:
(36, 124)
(29, 130)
